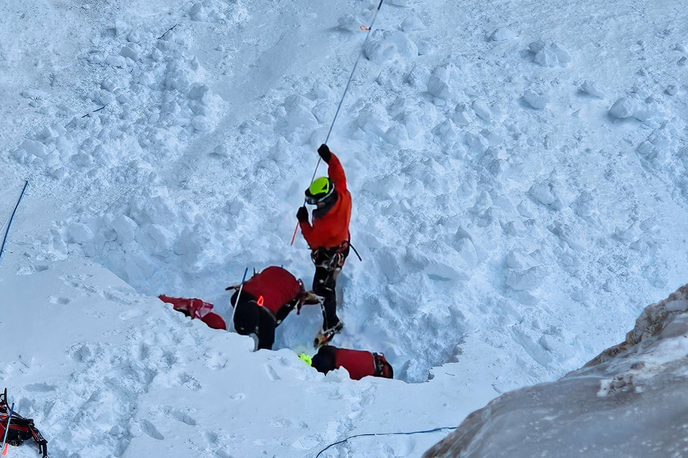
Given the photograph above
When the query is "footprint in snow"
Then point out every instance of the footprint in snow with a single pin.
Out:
(271, 373)
(40, 387)
(180, 416)
(59, 300)
(132, 313)
(215, 360)
(150, 429)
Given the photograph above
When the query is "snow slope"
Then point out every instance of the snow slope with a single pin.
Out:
(105, 371)
(628, 401)
(518, 171)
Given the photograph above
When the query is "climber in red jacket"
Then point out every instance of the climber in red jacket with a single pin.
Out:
(358, 363)
(265, 301)
(327, 237)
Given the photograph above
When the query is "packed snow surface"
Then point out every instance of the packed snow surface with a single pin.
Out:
(628, 401)
(519, 183)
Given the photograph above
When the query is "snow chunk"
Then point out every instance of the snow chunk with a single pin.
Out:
(298, 113)
(405, 47)
(476, 142)
(379, 50)
(156, 238)
(31, 148)
(350, 22)
(412, 23)
(526, 280)
(129, 52)
(461, 116)
(197, 12)
(623, 108)
(80, 233)
(549, 55)
(438, 84)
(502, 34)
(125, 228)
(482, 110)
(542, 192)
(116, 61)
(536, 100)
(590, 87)
(671, 89)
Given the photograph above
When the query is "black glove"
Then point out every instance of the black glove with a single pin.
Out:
(302, 215)
(324, 152)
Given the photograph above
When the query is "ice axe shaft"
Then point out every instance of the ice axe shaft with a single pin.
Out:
(7, 430)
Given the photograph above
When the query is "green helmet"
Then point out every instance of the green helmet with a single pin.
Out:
(321, 189)
(306, 359)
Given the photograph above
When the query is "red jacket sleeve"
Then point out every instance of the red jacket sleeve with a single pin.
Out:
(307, 231)
(336, 173)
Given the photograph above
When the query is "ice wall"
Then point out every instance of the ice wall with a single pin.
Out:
(629, 401)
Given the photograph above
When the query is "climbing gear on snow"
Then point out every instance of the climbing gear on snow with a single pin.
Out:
(16, 429)
(9, 224)
(320, 190)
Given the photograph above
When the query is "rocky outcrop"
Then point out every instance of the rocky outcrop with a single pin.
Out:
(630, 401)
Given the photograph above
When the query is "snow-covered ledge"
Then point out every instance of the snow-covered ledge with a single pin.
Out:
(628, 401)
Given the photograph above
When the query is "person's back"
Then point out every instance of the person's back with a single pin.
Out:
(358, 363)
(276, 285)
(266, 299)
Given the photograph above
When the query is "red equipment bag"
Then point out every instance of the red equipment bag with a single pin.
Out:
(21, 428)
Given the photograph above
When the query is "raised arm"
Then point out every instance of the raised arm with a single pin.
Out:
(335, 170)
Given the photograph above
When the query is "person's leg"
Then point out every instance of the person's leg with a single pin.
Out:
(324, 286)
(324, 360)
(266, 331)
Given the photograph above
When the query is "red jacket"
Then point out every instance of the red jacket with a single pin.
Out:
(332, 229)
(277, 286)
(359, 363)
(196, 308)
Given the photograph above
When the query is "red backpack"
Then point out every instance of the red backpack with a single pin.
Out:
(21, 428)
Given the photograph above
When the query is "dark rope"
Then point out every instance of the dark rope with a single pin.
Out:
(168, 30)
(355, 251)
(386, 434)
(348, 83)
(94, 111)
(4, 240)
(336, 114)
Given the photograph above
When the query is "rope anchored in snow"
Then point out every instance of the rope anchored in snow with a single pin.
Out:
(442, 428)
(353, 70)
(346, 89)
(9, 224)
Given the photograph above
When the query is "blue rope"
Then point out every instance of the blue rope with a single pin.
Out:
(386, 434)
(4, 240)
